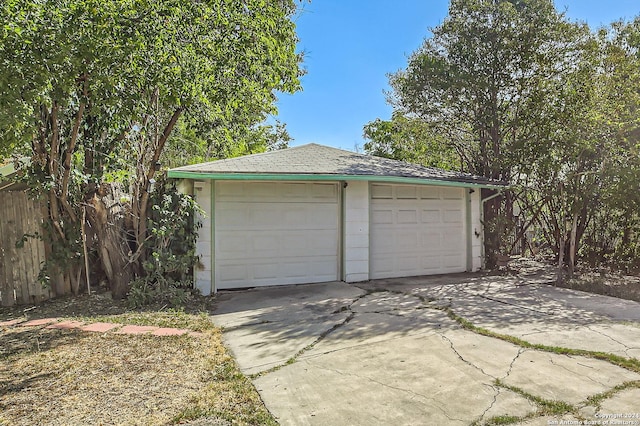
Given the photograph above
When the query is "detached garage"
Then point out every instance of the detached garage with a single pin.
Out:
(314, 214)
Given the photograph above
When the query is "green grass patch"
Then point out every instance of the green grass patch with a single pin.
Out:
(546, 407)
(503, 420)
(631, 364)
(596, 400)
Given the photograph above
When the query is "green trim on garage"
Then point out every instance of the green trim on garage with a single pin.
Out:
(326, 177)
(214, 289)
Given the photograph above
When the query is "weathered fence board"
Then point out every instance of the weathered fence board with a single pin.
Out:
(20, 265)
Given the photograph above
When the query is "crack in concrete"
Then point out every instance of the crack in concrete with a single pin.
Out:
(462, 358)
(427, 303)
(320, 337)
(513, 361)
(513, 304)
(611, 338)
(409, 391)
(327, 352)
(521, 350)
(250, 324)
(390, 313)
(495, 399)
(575, 372)
(532, 333)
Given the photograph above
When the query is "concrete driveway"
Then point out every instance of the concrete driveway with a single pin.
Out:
(396, 352)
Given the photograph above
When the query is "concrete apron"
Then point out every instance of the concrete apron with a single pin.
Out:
(387, 352)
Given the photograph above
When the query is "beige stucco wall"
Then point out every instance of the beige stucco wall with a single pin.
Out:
(202, 191)
(356, 231)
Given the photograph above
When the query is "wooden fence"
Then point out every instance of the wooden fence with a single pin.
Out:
(20, 264)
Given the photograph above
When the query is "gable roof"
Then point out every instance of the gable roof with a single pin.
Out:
(319, 162)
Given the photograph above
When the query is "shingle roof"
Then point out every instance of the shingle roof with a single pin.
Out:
(314, 159)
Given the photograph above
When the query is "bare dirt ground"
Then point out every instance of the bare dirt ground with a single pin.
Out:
(599, 282)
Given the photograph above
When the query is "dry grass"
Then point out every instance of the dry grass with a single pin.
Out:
(603, 282)
(620, 286)
(69, 377)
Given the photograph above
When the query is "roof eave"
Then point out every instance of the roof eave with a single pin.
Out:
(180, 174)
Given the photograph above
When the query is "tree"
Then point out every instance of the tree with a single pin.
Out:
(191, 144)
(99, 86)
(410, 139)
(612, 219)
(490, 82)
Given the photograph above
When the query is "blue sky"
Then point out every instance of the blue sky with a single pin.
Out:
(350, 46)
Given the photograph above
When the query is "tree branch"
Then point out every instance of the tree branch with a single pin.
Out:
(70, 148)
(144, 197)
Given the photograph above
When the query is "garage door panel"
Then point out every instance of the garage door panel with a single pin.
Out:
(264, 271)
(452, 262)
(430, 216)
(234, 275)
(386, 235)
(452, 216)
(293, 190)
(234, 217)
(232, 272)
(267, 216)
(407, 243)
(430, 192)
(322, 244)
(323, 217)
(451, 244)
(297, 244)
(296, 217)
(382, 192)
(430, 241)
(324, 192)
(263, 243)
(416, 230)
(452, 193)
(276, 192)
(444, 205)
(384, 265)
(231, 245)
(431, 263)
(408, 216)
(228, 191)
(275, 233)
(298, 269)
(382, 216)
(406, 192)
(408, 263)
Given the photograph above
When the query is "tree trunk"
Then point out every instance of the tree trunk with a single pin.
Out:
(572, 245)
(75, 272)
(491, 235)
(112, 245)
(561, 245)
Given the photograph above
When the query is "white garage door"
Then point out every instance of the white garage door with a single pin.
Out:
(275, 233)
(416, 230)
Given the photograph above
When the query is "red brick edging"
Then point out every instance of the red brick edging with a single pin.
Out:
(99, 327)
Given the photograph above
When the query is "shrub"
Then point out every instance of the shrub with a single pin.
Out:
(170, 254)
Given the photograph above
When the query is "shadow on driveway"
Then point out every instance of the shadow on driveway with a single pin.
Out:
(386, 351)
